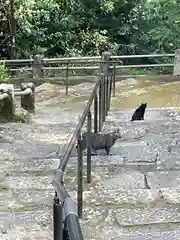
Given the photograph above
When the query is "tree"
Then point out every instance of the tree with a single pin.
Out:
(88, 27)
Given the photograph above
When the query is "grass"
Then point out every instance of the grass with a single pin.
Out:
(15, 119)
(22, 117)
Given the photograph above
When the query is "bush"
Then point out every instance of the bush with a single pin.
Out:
(4, 76)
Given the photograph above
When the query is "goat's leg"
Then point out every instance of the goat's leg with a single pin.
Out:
(93, 152)
(107, 151)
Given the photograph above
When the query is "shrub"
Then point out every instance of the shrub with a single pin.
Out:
(4, 76)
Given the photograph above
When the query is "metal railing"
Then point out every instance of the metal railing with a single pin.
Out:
(86, 58)
(60, 69)
(66, 213)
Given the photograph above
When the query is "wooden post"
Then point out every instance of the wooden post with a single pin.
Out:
(28, 101)
(38, 67)
(107, 78)
(7, 104)
(176, 70)
(106, 58)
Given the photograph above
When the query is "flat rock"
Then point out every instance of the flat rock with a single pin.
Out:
(26, 197)
(101, 160)
(144, 216)
(155, 235)
(30, 165)
(164, 179)
(138, 152)
(121, 197)
(124, 179)
(30, 182)
(171, 195)
(169, 161)
(27, 225)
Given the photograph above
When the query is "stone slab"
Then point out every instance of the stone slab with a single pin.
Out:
(165, 235)
(144, 216)
(29, 165)
(124, 179)
(164, 179)
(169, 161)
(98, 161)
(25, 198)
(171, 195)
(119, 197)
(105, 227)
(26, 225)
(29, 182)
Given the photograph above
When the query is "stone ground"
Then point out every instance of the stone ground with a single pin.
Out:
(116, 204)
(29, 157)
(123, 207)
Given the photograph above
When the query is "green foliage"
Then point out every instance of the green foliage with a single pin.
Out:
(88, 27)
(4, 76)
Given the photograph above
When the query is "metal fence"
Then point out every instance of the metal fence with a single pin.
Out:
(42, 69)
(66, 215)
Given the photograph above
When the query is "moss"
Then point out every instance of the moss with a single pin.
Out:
(21, 116)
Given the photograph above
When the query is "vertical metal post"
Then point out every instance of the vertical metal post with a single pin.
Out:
(57, 219)
(65, 233)
(67, 79)
(100, 105)
(107, 94)
(114, 80)
(110, 90)
(103, 100)
(89, 126)
(95, 114)
(80, 177)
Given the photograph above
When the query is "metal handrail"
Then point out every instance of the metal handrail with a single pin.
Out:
(72, 143)
(58, 178)
(104, 84)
